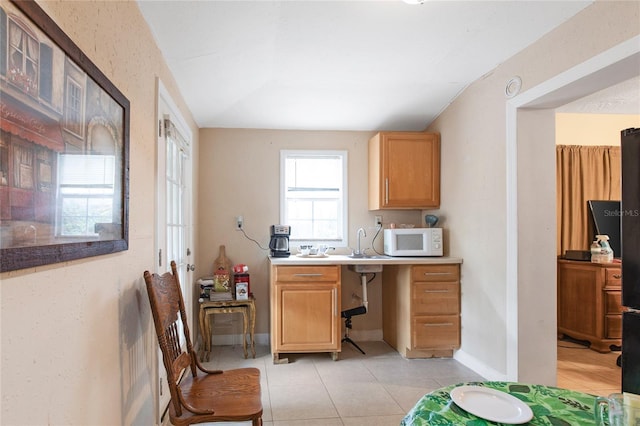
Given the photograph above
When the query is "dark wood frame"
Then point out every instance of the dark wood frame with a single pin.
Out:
(31, 256)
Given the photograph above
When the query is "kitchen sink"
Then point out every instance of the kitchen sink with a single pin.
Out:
(365, 268)
(366, 256)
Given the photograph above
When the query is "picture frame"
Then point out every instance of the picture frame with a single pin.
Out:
(64, 146)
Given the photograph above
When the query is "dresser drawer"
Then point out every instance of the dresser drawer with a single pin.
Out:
(435, 298)
(435, 273)
(436, 332)
(613, 277)
(613, 302)
(307, 273)
(613, 327)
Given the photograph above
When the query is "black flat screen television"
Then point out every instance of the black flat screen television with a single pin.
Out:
(604, 219)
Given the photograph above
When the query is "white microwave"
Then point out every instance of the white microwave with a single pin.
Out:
(413, 242)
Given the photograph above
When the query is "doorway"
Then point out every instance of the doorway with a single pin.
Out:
(531, 276)
(174, 207)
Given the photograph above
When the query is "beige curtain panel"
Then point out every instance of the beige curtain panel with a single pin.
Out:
(583, 173)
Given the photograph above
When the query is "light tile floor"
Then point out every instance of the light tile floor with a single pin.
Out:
(585, 370)
(379, 388)
(376, 389)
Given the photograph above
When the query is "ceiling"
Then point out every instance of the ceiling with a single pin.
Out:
(338, 65)
(623, 98)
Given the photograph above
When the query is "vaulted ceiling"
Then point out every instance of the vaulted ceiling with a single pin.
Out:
(338, 65)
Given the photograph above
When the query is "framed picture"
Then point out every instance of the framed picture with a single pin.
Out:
(64, 146)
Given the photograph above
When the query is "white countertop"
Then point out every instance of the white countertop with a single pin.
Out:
(340, 259)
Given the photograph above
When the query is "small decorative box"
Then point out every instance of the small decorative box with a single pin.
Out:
(242, 291)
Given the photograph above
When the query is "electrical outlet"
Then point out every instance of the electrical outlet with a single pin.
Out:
(239, 222)
(378, 220)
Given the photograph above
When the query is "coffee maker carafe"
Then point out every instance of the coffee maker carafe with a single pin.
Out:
(279, 243)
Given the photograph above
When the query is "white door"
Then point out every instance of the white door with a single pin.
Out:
(174, 211)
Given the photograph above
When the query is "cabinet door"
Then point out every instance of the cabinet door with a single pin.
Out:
(411, 170)
(309, 317)
(579, 299)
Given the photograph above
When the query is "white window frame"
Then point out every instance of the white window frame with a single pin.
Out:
(101, 186)
(342, 240)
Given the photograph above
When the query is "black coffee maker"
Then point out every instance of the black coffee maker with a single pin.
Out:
(279, 243)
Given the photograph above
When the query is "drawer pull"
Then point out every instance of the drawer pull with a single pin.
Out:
(617, 276)
(441, 324)
(436, 291)
(436, 273)
(308, 275)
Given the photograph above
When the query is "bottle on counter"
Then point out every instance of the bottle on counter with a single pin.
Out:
(601, 251)
(605, 249)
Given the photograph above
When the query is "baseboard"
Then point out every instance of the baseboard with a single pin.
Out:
(264, 338)
(478, 366)
(366, 335)
(236, 339)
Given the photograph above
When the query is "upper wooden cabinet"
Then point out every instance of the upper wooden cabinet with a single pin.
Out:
(404, 170)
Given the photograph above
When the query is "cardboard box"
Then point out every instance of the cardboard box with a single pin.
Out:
(242, 291)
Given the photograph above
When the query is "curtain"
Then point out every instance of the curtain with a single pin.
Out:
(583, 173)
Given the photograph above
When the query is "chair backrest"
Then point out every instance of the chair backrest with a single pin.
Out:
(167, 306)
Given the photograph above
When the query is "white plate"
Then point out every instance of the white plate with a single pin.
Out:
(312, 255)
(491, 404)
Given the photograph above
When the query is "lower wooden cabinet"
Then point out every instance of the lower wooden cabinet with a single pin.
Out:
(589, 302)
(421, 309)
(305, 310)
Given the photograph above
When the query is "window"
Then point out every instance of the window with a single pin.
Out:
(24, 51)
(313, 196)
(73, 109)
(87, 188)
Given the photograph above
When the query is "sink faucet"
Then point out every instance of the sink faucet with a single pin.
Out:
(361, 232)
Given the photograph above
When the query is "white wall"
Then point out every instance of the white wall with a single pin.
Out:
(78, 345)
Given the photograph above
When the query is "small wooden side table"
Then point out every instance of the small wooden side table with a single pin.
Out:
(246, 307)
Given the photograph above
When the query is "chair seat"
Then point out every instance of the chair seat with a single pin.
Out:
(234, 395)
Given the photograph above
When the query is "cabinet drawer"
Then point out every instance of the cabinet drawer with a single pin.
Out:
(613, 303)
(307, 273)
(435, 298)
(613, 327)
(435, 273)
(613, 277)
(436, 332)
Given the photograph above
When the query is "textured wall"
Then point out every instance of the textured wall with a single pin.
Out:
(474, 185)
(78, 345)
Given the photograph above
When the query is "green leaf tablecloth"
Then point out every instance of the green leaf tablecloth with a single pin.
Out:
(551, 406)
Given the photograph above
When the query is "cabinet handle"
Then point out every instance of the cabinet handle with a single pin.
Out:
(436, 291)
(308, 275)
(617, 276)
(386, 190)
(442, 324)
(426, 274)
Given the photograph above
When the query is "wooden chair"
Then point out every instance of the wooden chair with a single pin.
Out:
(204, 395)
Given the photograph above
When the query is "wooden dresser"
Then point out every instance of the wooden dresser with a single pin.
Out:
(589, 302)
